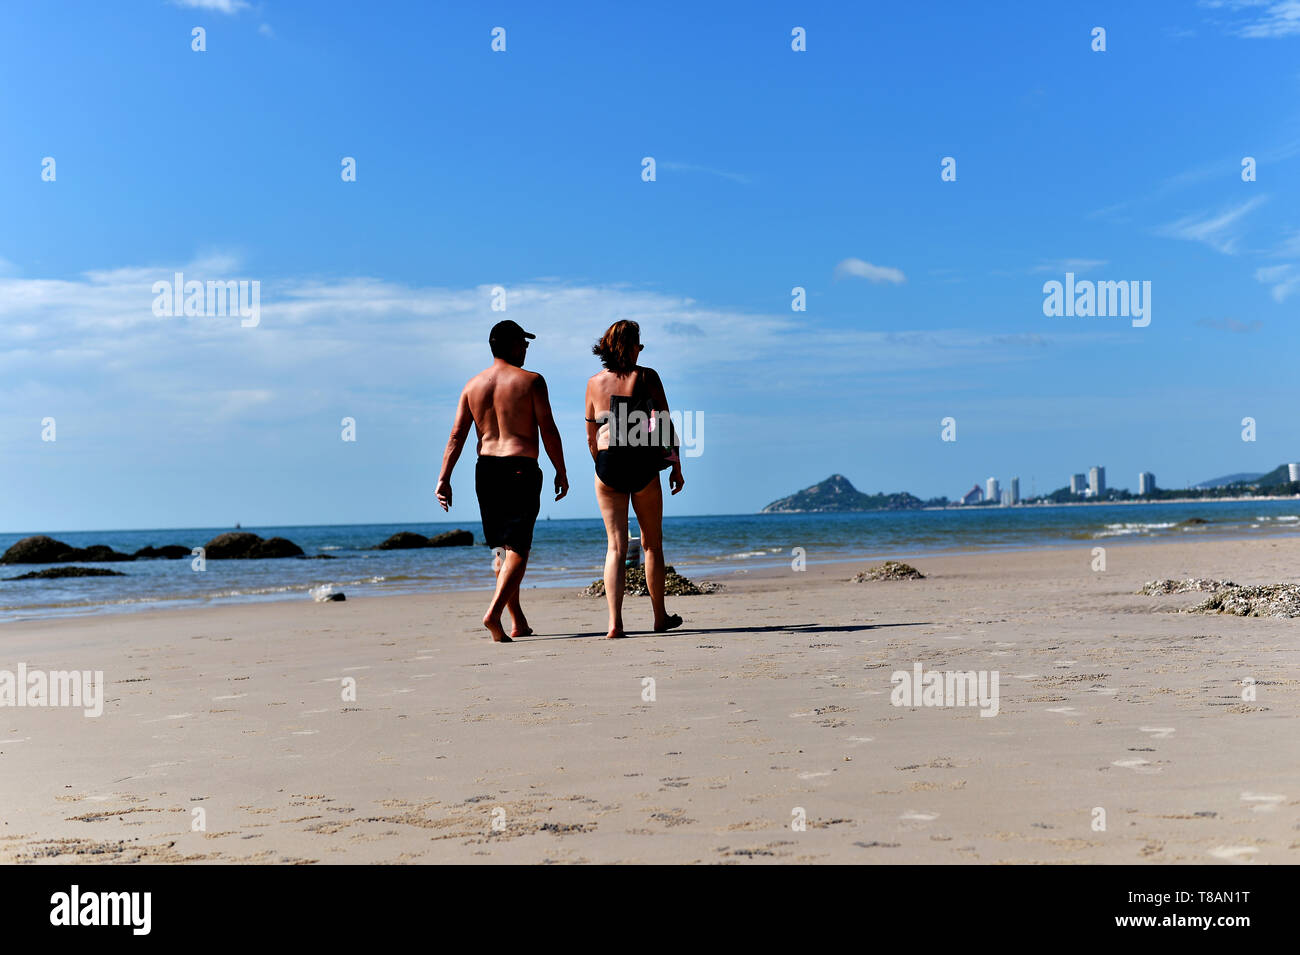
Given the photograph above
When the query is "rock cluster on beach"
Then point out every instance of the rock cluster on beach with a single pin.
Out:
(1153, 588)
(889, 570)
(634, 584)
(1261, 600)
(407, 540)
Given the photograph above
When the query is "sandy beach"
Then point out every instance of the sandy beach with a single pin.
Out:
(774, 698)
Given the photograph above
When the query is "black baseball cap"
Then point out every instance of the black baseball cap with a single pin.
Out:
(507, 330)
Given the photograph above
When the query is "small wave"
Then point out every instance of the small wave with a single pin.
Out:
(1121, 530)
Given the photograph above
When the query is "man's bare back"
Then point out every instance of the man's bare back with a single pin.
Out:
(502, 400)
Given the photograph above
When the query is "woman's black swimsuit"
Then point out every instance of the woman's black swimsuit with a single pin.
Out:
(626, 470)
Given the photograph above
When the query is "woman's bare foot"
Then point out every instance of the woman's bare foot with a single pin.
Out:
(615, 634)
(494, 627)
(671, 622)
(518, 631)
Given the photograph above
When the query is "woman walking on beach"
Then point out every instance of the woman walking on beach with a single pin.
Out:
(631, 440)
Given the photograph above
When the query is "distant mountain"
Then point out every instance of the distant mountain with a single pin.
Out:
(837, 494)
(1244, 478)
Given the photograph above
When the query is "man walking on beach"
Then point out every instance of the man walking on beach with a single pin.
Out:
(508, 407)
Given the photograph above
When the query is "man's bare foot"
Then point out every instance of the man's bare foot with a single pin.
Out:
(494, 627)
(518, 631)
(615, 634)
(671, 622)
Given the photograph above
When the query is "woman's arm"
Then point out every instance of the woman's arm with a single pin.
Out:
(593, 425)
(660, 401)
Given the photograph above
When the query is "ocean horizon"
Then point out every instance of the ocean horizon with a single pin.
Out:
(569, 552)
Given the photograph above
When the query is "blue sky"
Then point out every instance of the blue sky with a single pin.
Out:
(775, 169)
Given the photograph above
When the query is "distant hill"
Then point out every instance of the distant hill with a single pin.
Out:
(1279, 475)
(837, 494)
(1244, 478)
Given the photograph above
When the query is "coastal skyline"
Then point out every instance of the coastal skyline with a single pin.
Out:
(776, 170)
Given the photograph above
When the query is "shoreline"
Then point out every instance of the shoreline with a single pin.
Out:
(776, 565)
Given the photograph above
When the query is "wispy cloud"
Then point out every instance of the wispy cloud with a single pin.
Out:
(860, 269)
(1262, 19)
(1070, 265)
(1219, 231)
(1284, 280)
(217, 6)
(742, 178)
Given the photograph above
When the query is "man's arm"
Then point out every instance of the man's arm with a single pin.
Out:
(550, 435)
(455, 444)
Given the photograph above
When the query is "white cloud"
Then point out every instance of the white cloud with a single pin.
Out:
(857, 268)
(1219, 232)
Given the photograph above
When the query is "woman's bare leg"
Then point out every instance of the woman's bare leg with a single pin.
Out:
(649, 506)
(613, 508)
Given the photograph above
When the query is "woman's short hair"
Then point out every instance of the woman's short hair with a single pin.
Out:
(617, 348)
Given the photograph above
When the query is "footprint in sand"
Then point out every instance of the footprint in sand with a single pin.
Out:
(1264, 802)
(1137, 765)
(1158, 732)
(1234, 853)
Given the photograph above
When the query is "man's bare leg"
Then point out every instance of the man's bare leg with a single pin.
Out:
(509, 578)
(519, 623)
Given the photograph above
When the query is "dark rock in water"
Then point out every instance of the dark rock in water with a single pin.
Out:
(1192, 522)
(166, 552)
(35, 550)
(407, 540)
(274, 547)
(890, 570)
(404, 540)
(230, 545)
(318, 557)
(452, 539)
(241, 545)
(634, 585)
(51, 573)
(335, 597)
(95, 554)
(46, 550)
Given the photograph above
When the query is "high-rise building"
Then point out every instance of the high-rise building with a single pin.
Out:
(1293, 472)
(1097, 480)
(991, 492)
(1077, 483)
(1015, 490)
(1146, 482)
